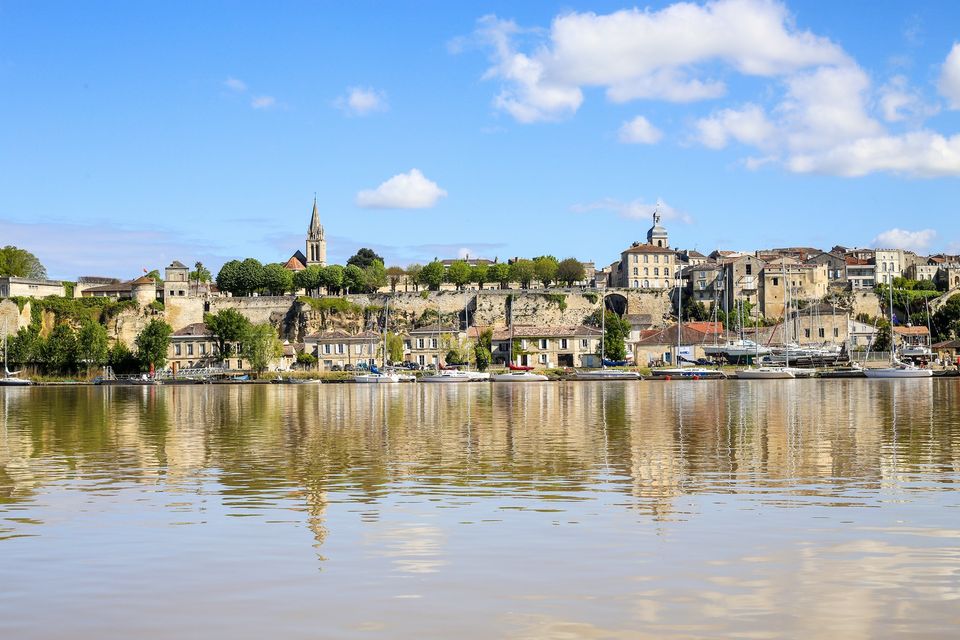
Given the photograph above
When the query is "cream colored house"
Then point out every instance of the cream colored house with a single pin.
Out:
(890, 264)
(11, 286)
(922, 272)
(821, 323)
(339, 348)
(548, 347)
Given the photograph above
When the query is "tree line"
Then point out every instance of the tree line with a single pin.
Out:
(364, 272)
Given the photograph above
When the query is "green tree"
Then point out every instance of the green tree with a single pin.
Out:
(395, 276)
(122, 360)
(20, 263)
(251, 276)
(308, 279)
(883, 337)
(26, 347)
(374, 276)
(413, 275)
(479, 273)
(228, 326)
(60, 351)
(615, 335)
(353, 279)
(364, 258)
(545, 268)
(153, 344)
(93, 346)
(277, 279)
(432, 275)
(945, 322)
(261, 346)
(200, 274)
(570, 270)
(459, 273)
(228, 279)
(306, 360)
(499, 272)
(523, 271)
(483, 349)
(394, 347)
(333, 278)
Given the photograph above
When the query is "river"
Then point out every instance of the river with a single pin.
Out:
(764, 509)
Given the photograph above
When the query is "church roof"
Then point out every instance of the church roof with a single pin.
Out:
(297, 262)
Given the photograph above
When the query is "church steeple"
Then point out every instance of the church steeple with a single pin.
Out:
(316, 243)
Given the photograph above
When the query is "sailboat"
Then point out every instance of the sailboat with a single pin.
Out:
(375, 375)
(897, 368)
(603, 373)
(444, 375)
(679, 371)
(766, 372)
(516, 373)
(10, 378)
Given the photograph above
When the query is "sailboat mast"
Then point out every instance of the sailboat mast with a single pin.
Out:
(603, 327)
(679, 321)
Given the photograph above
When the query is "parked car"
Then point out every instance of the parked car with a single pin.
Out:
(336, 367)
(349, 367)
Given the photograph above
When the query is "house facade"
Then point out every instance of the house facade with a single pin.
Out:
(548, 347)
(11, 286)
(787, 280)
(339, 348)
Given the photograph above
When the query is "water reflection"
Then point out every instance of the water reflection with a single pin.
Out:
(676, 508)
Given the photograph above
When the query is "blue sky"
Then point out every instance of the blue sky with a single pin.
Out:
(133, 134)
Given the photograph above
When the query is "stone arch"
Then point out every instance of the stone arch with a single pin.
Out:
(616, 303)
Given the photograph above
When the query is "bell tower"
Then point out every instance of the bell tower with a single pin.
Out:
(657, 235)
(316, 242)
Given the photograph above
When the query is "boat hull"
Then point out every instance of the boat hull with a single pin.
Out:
(607, 375)
(518, 376)
(765, 374)
(898, 373)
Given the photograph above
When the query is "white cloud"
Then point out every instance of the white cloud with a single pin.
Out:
(235, 85)
(829, 118)
(748, 125)
(362, 101)
(950, 77)
(639, 131)
(921, 154)
(263, 102)
(410, 190)
(918, 241)
(634, 209)
(642, 54)
(898, 102)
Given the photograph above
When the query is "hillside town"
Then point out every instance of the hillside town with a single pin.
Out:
(539, 312)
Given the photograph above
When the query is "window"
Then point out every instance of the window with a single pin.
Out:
(203, 349)
(656, 258)
(584, 344)
(176, 349)
(190, 349)
(340, 348)
(646, 271)
(359, 349)
(636, 284)
(433, 343)
(656, 271)
(646, 284)
(635, 258)
(749, 269)
(239, 364)
(646, 258)
(806, 333)
(636, 271)
(563, 343)
(421, 360)
(420, 344)
(666, 271)
(543, 343)
(543, 358)
(703, 274)
(776, 282)
(836, 332)
(326, 349)
(821, 333)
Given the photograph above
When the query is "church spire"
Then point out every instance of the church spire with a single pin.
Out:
(316, 231)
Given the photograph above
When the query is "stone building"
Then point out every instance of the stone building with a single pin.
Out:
(836, 264)
(648, 266)
(922, 272)
(429, 345)
(659, 346)
(742, 280)
(889, 264)
(176, 280)
(704, 283)
(548, 347)
(861, 273)
(196, 347)
(339, 348)
(144, 290)
(11, 286)
(786, 280)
